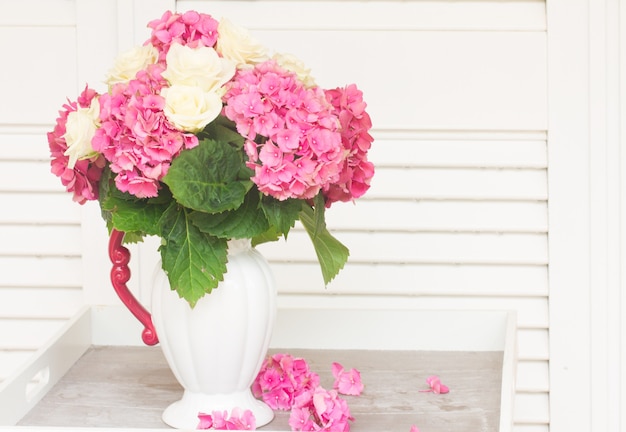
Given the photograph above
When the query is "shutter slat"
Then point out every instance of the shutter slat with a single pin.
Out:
(426, 248)
(439, 215)
(417, 279)
(42, 271)
(23, 240)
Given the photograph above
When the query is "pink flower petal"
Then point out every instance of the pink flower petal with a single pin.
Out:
(435, 385)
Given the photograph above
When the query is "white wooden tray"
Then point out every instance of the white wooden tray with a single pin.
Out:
(472, 351)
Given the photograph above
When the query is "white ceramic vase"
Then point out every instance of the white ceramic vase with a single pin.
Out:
(216, 349)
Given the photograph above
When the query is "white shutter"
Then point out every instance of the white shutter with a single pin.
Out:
(42, 248)
(40, 281)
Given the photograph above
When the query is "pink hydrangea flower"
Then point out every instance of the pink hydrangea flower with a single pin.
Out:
(190, 28)
(282, 379)
(347, 382)
(356, 171)
(293, 140)
(135, 135)
(83, 179)
(320, 410)
(219, 420)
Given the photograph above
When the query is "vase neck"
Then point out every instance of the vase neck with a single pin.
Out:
(238, 245)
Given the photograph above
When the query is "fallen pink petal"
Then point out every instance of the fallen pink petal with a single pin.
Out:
(219, 420)
(435, 385)
(347, 383)
(414, 429)
(206, 421)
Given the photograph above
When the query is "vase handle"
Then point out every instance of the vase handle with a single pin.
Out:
(120, 274)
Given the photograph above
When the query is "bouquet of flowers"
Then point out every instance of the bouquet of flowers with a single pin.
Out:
(203, 137)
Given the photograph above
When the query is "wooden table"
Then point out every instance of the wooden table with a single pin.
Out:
(129, 387)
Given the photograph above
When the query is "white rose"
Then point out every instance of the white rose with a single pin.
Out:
(190, 108)
(80, 128)
(236, 44)
(130, 62)
(199, 67)
(295, 65)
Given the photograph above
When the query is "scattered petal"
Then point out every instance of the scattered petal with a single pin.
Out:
(347, 383)
(435, 385)
(219, 420)
(414, 429)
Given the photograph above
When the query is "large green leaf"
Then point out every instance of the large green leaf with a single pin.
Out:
(282, 215)
(331, 253)
(209, 178)
(125, 212)
(246, 221)
(269, 235)
(195, 262)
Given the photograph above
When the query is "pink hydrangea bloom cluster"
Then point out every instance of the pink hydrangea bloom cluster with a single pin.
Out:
(293, 140)
(82, 180)
(320, 410)
(287, 383)
(190, 28)
(356, 172)
(282, 379)
(136, 137)
(220, 420)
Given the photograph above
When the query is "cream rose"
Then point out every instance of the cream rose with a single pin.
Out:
(199, 67)
(295, 65)
(190, 108)
(80, 128)
(236, 44)
(130, 62)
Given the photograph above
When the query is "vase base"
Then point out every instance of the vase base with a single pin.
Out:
(183, 414)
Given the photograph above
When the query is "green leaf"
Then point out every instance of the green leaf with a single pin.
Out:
(223, 129)
(104, 191)
(331, 253)
(282, 215)
(268, 236)
(195, 262)
(246, 221)
(208, 177)
(125, 212)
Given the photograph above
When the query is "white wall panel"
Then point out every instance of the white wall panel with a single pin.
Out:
(541, 427)
(40, 240)
(442, 149)
(532, 408)
(533, 376)
(49, 208)
(432, 80)
(446, 183)
(41, 271)
(527, 15)
(437, 248)
(417, 279)
(27, 13)
(31, 90)
(58, 303)
(418, 215)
